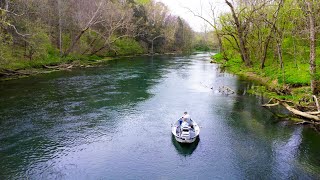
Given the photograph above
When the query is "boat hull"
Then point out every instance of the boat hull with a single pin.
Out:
(181, 139)
(184, 140)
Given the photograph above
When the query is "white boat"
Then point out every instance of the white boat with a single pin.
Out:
(185, 133)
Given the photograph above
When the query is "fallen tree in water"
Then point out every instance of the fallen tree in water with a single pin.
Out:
(8, 72)
(307, 117)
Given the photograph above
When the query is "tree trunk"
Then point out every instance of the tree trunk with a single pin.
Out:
(265, 49)
(60, 28)
(153, 41)
(74, 42)
(152, 46)
(279, 50)
(273, 28)
(312, 49)
(6, 5)
(89, 24)
(242, 40)
(98, 50)
(90, 46)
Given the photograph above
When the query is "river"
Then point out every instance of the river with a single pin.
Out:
(114, 122)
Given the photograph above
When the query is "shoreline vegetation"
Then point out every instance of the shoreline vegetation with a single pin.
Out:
(274, 43)
(85, 62)
(297, 99)
(39, 37)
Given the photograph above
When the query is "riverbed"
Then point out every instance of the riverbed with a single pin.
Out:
(114, 122)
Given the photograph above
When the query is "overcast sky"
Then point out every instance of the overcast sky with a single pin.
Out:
(179, 8)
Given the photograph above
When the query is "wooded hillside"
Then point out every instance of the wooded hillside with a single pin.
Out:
(274, 38)
(37, 32)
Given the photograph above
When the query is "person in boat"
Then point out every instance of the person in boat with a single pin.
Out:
(184, 123)
(187, 118)
(184, 116)
(180, 121)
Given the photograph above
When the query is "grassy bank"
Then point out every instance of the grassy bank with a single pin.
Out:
(290, 83)
(14, 62)
(19, 69)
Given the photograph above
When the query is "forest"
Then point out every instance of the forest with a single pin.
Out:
(275, 42)
(273, 38)
(48, 32)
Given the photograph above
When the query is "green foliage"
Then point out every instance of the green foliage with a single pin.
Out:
(201, 47)
(33, 38)
(292, 36)
(143, 2)
(38, 44)
(127, 46)
(205, 41)
(5, 50)
(218, 58)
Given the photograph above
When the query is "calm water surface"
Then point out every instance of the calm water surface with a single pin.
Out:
(114, 122)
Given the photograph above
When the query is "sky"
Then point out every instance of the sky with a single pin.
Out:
(180, 8)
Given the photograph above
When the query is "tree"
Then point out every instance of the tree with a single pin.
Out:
(310, 9)
(86, 19)
(242, 30)
(272, 24)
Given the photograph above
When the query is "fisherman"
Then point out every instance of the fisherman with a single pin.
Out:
(184, 123)
(186, 117)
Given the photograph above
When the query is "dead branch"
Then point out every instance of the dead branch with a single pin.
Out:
(299, 113)
(270, 105)
(317, 103)
(10, 12)
(314, 113)
(308, 116)
(8, 72)
(16, 30)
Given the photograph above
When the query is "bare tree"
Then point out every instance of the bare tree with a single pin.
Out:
(118, 24)
(241, 28)
(85, 20)
(310, 10)
(272, 24)
(60, 27)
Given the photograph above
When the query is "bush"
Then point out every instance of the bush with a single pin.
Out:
(126, 46)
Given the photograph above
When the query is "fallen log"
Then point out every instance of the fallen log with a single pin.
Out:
(8, 72)
(317, 103)
(311, 116)
(300, 113)
(50, 67)
(270, 105)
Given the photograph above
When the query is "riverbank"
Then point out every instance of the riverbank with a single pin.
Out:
(29, 69)
(33, 68)
(267, 84)
(267, 80)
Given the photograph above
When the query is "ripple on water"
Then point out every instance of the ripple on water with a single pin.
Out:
(114, 122)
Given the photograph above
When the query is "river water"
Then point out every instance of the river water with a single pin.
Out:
(114, 122)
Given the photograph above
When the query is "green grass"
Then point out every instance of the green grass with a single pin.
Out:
(294, 75)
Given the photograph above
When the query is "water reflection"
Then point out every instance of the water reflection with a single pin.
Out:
(185, 149)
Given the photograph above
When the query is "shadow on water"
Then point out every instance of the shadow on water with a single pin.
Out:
(185, 149)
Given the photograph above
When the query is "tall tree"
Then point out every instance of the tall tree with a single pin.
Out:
(310, 11)
(242, 29)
